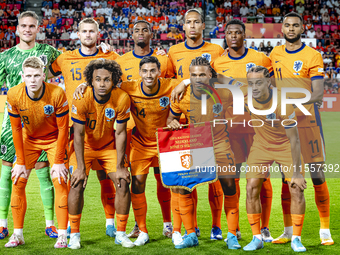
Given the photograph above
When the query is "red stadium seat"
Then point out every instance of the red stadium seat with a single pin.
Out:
(317, 26)
(244, 20)
(268, 20)
(11, 6)
(56, 6)
(333, 27)
(5, 21)
(221, 35)
(63, 21)
(239, 18)
(325, 28)
(163, 37)
(18, 6)
(70, 21)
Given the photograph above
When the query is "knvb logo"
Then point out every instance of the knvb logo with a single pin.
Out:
(186, 161)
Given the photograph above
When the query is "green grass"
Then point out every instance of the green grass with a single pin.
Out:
(94, 240)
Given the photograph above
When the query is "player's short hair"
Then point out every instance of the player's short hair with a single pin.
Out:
(194, 10)
(29, 14)
(33, 62)
(89, 21)
(142, 21)
(102, 63)
(235, 22)
(201, 61)
(259, 69)
(150, 59)
(293, 14)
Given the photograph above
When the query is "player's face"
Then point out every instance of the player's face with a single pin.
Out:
(141, 35)
(27, 29)
(149, 73)
(292, 29)
(199, 75)
(88, 34)
(259, 85)
(235, 36)
(33, 78)
(102, 82)
(193, 26)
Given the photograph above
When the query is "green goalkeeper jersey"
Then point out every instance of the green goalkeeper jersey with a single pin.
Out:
(11, 62)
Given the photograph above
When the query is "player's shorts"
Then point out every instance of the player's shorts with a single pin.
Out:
(240, 145)
(33, 150)
(312, 144)
(106, 159)
(142, 158)
(262, 157)
(225, 159)
(7, 149)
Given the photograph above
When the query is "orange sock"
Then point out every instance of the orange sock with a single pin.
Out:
(122, 221)
(254, 220)
(232, 212)
(285, 202)
(297, 220)
(216, 202)
(75, 222)
(238, 192)
(19, 202)
(164, 199)
(194, 196)
(186, 208)
(266, 202)
(140, 208)
(108, 194)
(177, 220)
(61, 208)
(322, 202)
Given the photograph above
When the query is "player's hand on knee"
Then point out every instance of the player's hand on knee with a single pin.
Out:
(178, 92)
(161, 52)
(299, 182)
(174, 125)
(122, 173)
(59, 170)
(319, 103)
(79, 175)
(78, 93)
(106, 48)
(17, 171)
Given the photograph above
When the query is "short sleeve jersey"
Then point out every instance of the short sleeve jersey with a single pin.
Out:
(99, 116)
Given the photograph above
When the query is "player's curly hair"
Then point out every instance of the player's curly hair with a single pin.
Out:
(259, 69)
(201, 61)
(101, 63)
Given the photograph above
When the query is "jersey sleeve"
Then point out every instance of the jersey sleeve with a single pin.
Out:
(316, 68)
(123, 114)
(114, 55)
(220, 50)
(2, 70)
(172, 62)
(62, 114)
(267, 64)
(170, 69)
(11, 105)
(55, 67)
(62, 107)
(78, 112)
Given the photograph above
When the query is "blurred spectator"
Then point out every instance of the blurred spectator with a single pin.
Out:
(41, 35)
(252, 3)
(88, 11)
(63, 11)
(4, 89)
(47, 11)
(209, 6)
(268, 3)
(244, 10)
(47, 3)
(228, 3)
(51, 26)
(252, 46)
(214, 32)
(12, 19)
(236, 10)
(278, 18)
(70, 12)
(276, 9)
(73, 35)
(174, 34)
(269, 47)
(300, 9)
(260, 17)
(325, 19)
(311, 33)
(140, 10)
(61, 47)
(327, 90)
(55, 11)
(103, 3)
(163, 27)
(262, 48)
(94, 4)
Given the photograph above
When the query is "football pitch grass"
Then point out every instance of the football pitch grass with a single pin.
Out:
(94, 240)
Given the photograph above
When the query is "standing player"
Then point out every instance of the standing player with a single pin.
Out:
(72, 65)
(236, 64)
(10, 72)
(93, 118)
(273, 141)
(43, 109)
(297, 65)
(181, 56)
(201, 72)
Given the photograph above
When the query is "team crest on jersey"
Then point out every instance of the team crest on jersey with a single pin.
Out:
(217, 108)
(9, 106)
(164, 101)
(298, 66)
(207, 56)
(271, 116)
(74, 109)
(48, 109)
(110, 113)
(249, 65)
(43, 59)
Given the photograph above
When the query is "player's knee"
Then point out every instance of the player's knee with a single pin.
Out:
(297, 194)
(253, 188)
(123, 189)
(138, 184)
(228, 186)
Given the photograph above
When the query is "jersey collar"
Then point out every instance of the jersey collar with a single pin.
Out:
(268, 99)
(193, 48)
(84, 55)
(244, 54)
(138, 56)
(296, 51)
(36, 99)
(100, 101)
(150, 95)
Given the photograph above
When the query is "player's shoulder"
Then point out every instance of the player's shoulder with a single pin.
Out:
(125, 57)
(55, 90)
(277, 50)
(311, 51)
(256, 54)
(130, 85)
(213, 46)
(177, 47)
(16, 90)
(108, 55)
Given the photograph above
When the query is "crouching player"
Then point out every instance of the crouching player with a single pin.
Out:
(95, 139)
(273, 142)
(43, 109)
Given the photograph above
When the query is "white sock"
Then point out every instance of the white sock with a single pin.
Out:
(110, 222)
(293, 237)
(167, 224)
(49, 223)
(19, 231)
(3, 223)
(325, 231)
(72, 234)
(68, 224)
(120, 233)
(289, 230)
(258, 237)
(62, 232)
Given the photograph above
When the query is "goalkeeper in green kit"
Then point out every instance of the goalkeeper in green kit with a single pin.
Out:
(10, 73)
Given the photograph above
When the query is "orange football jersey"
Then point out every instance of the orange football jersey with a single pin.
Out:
(149, 111)
(129, 63)
(99, 117)
(298, 69)
(72, 65)
(181, 56)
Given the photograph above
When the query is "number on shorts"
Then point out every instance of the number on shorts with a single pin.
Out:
(230, 158)
(316, 145)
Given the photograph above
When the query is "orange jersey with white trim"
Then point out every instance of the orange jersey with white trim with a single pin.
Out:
(129, 63)
(298, 69)
(149, 111)
(271, 132)
(39, 116)
(72, 65)
(99, 116)
(181, 56)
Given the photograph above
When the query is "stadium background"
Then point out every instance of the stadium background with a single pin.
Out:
(58, 27)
